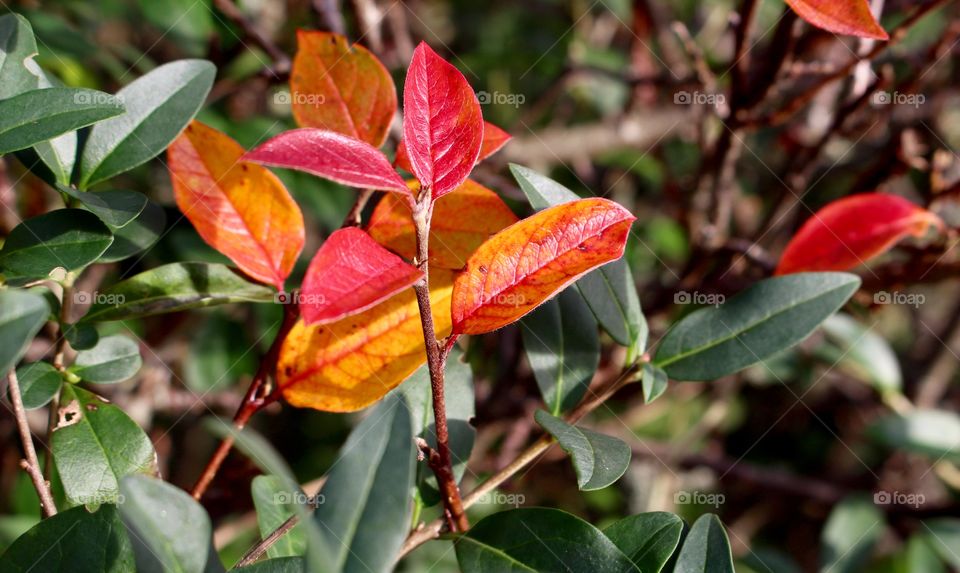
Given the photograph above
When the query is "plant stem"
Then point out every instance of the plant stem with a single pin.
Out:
(31, 464)
(436, 357)
(258, 396)
(355, 217)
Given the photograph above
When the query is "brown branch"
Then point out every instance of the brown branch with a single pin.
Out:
(31, 464)
(354, 217)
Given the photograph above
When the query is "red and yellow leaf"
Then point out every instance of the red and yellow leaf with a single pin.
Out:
(442, 124)
(853, 230)
(849, 17)
(332, 156)
(494, 139)
(351, 363)
(240, 209)
(341, 88)
(349, 274)
(527, 263)
(461, 222)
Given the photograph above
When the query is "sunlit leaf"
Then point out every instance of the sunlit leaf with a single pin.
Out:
(529, 262)
(272, 501)
(114, 359)
(705, 549)
(934, 433)
(853, 528)
(351, 363)
(341, 87)
(598, 459)
(349, 274)
(39, 115)
(494, 139)
(17, 50)
(851, 17)
(242, 210)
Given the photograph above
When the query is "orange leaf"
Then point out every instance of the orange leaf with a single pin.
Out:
(529, 262)
(240, 209)
(493, 141)
(850, 17)
(853, 230)
(342, 88)
(349, 364)
(462, 221)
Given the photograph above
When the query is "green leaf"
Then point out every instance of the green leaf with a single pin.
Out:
(648, 539)
(563, 349)
(67, 238)
(920, 556)
(706, 548)
(598, 459)
(39, 383)
(173, 288)
(864, 353)
(538, 539)
(74, 540)
(39, 115)
(854, 526)
(137, 235)
(22, 314)
(934, 433)
(461, 408)
(52, 160)
(81, 336)
(94, 445)
(114, 359)
(272, 499)
(280, 565)
(170, 532)
(220, 353)
(366, 509)
(610, 290)
(770, 316)
(17, 50)
(159, 105)
(115, 208)
(654, 382)
(944, 536)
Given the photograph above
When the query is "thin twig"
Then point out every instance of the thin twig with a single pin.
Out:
(354, 218)
(31, 464)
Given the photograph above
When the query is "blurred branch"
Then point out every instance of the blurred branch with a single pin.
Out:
(330, 16)
(281, 61)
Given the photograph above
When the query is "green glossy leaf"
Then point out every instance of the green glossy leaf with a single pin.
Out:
(648, 539)
(39, 383)
(81, 336)
(770, 316)
(115, 208)
(94, 445)
(598, 459)
(654, 382)
(461, 408)
(706, 548)
(137, 235)
(272, 500)
(173, 288)
(563, 349)
(943, 535)
(39, 115)
(864, 353)
(169, 531)
(538, 539)
(366, 509)
(114, 359)
(610, 290)
(52, 160)
(934, 433)
(851, 531)
(279, 565)
(22, 314)
(159, 105)
(74, 540)
(67, 238)
(17, 50)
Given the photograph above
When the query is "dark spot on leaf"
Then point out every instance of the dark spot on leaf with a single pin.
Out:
(483, 269)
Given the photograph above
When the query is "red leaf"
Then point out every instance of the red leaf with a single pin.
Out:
(527, 263)
(241, 210)
(442, 125)
(349, 274)
(342, 88)
(853, 230)
(850, 17)
(494, 139)
(332, 156)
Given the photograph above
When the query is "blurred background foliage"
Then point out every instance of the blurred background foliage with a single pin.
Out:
(588, 89)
